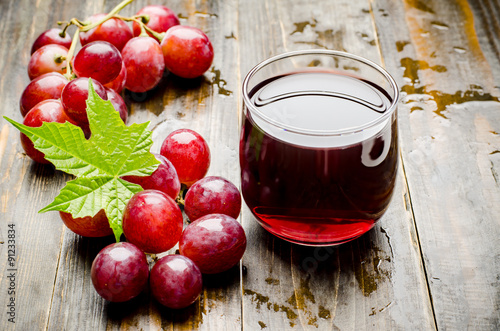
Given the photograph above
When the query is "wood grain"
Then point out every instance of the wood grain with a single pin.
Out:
(25, 187)
(449, 123)
(432, 261)
(359, 285)
(208, 106)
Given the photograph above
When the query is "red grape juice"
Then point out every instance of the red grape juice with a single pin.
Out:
(307, 186)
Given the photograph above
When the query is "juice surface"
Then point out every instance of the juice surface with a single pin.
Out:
(317, 189)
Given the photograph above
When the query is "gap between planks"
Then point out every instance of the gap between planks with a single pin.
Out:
(55, 278)
(402, 168)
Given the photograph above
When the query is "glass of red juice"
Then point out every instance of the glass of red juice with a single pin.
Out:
(319, 145)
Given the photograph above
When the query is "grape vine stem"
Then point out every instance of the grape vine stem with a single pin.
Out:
(87, 26)
(83, 27)
(112, 13)
(71, 51)
(144, 28)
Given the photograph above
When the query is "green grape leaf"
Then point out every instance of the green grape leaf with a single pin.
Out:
(113, 150)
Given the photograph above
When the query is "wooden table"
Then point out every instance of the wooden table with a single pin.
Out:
(433, 260)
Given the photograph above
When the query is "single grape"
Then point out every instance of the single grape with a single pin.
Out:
(187, 51)
(189, 153)
(152, 221)
(45, 111)
(118, 83)
(98, 60)
(214, 242)
(114, 31)
(88, 226)
(49, 58)
(144, 62)
(46, 86)
(163, 179)
(51, 36)
(118, 103)
(176, 282)
(161, 19)
(120, 272)
(74, 97)
(212, 195)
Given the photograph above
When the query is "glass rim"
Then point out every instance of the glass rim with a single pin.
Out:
(355, 129)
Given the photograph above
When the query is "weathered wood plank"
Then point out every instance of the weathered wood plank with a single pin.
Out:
(447, 55)
(365, 284)
(375, 282)
(207, 105)
(444, 55)
(25, 187)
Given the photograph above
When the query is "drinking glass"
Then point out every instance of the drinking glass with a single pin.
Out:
(319, 145)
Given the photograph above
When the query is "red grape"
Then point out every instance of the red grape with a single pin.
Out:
(74, 97)
(45, 111)
(189, 153)
(187, 51)
(214, 242)
(212, 195)
(114, 31)
(51, 36)
(120, 272)
(98, 60)
(118, 103)
(161, 19)
(144, 62)
(163, 179)
(46, 86)
(152, 221)
(88, 226)
(176, 282)
(49, 58)
(118, 83)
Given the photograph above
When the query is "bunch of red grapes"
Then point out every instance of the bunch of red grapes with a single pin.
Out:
(117, 56)
(153, 223)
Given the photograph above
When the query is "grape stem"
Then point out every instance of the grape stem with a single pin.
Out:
(83, 27)
(182, 194)
(86, 26)
(59, 58)
(112, 13)
(139, 19)
(71, 51)
(180, 199)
